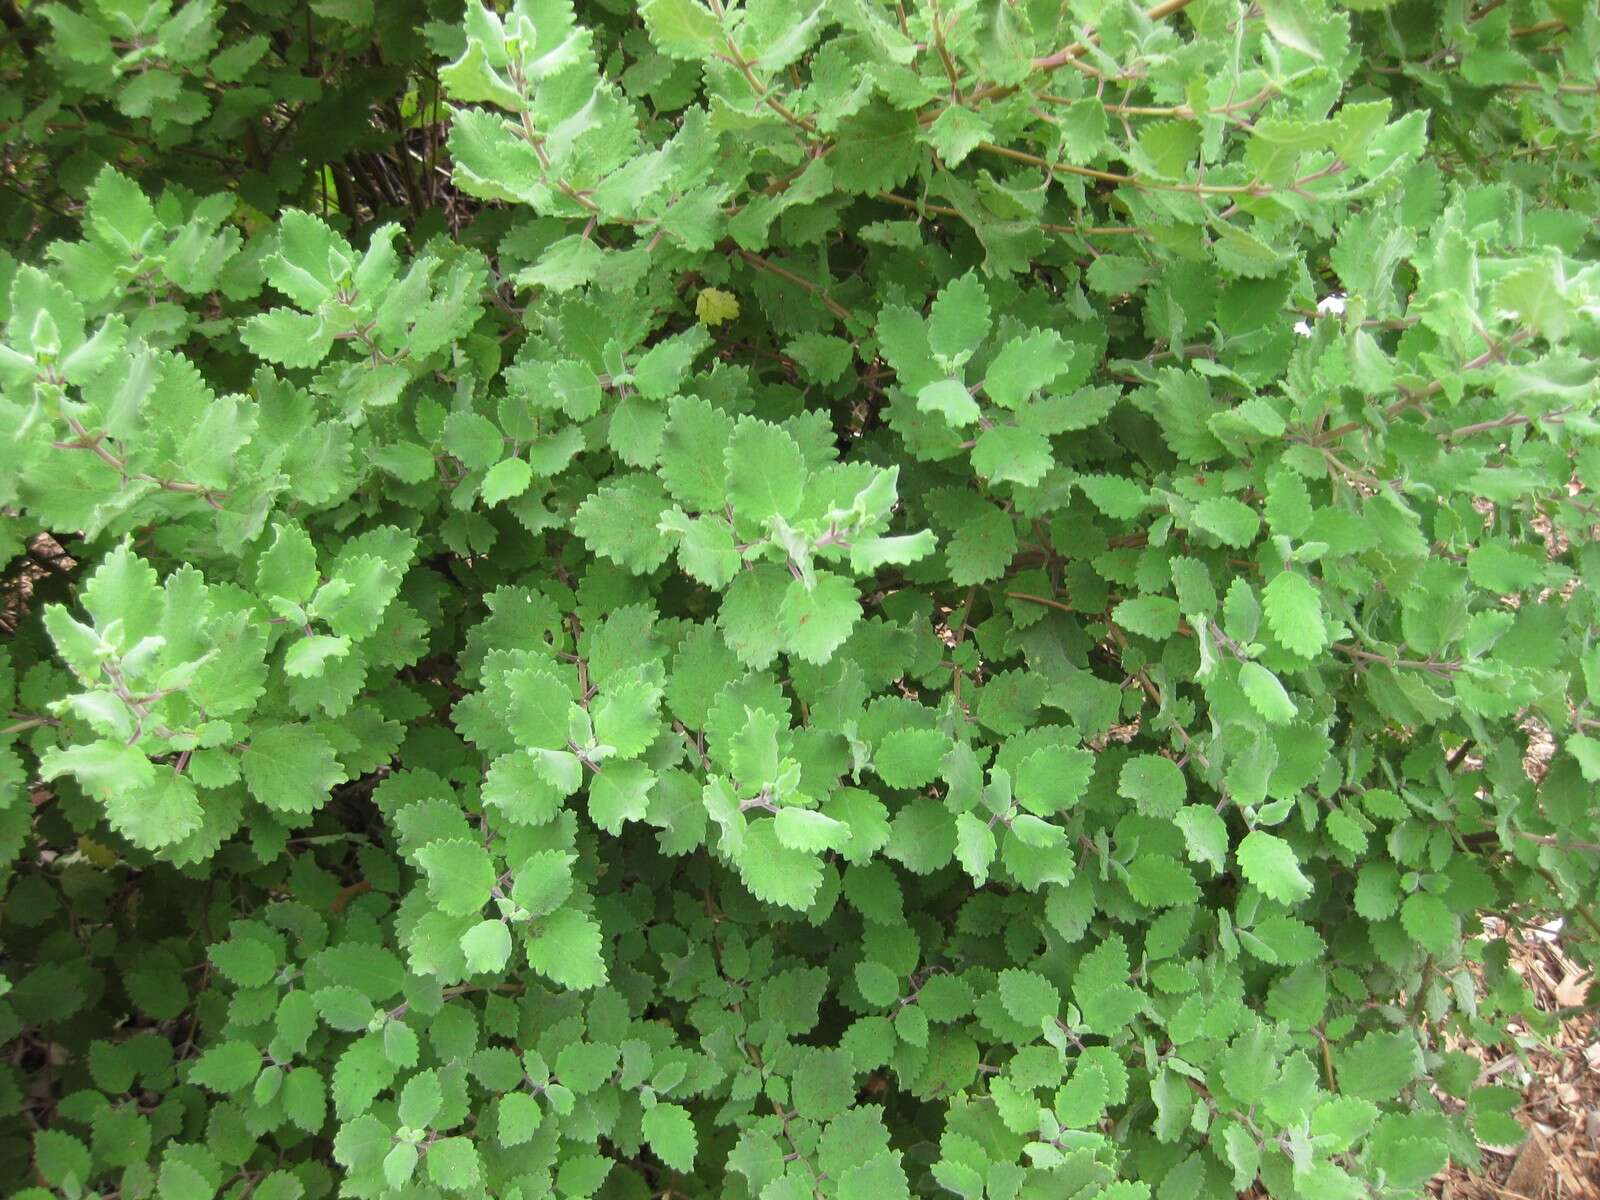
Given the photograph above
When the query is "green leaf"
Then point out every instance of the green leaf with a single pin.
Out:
(1205, 834)
(474, 439)
(879, 984)
(682, 28)
(540, 716)
(289, 566)
(956, 132)
(951, 400)
(707, 550)
(982, 548)
(528, 788)
(911, 1026)
(1291, 23)
(879, 1178)
(1266, 694)
(1537, 295)
(157, 814)
(566, 948)
(420, 1100)
(244, 961)
(1113, 495)
(460, 875)
(803, 829)
(1010, 454)
(1379, 1066)
(1293, 609)
(1117, 274)
(288, 338)
(746, 614)
(625, 716)
(661, 368)
(1586, 750)
(877, 149)
(959, 320)
(766, 472)
(506, 480)
(1028, 998)
(619, 794)
(585, 1066)
(775, 873)
(1083, 129)
(1054, 778)
(406, 461)
(693, 454)
(824, 1085)
(1343, 1121)
(816, 620)
(519, 1118)
(1154, 783)
(1160, 881)
(453, 1164)
(1231, 522)
(1430, 923)
(621, 522)
(910, 758)
(290, 768)
(1149, 616)
(311, 259)
(308, 658)
(227, 1067)
(1269, 863)
(124, 588)
(399, 1164)
(922, 836)
(1288, 507)
(543, 882)
(62, 1160)
(671, 1134)
(344, 1008)
(1492, 1112)
(1027, 364)
(486, 946)
(1081, 1101)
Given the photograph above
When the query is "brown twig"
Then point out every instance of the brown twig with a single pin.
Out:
(816, 289)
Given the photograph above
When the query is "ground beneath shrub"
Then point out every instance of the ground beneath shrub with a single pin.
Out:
(1560, 1081)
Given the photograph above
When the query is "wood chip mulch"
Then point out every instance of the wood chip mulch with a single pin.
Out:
(1560, 1081)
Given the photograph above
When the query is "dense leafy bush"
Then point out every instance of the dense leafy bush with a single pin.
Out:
(813, 599)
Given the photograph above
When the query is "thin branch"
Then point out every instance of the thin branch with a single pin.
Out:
(1068, 55)
(816, 289)
(1544, 839)
(944, 210)
(1045, 600)
(1413, 398)
(1154, 185)
(1369, 657)
(1508, 421)
(763, 93)
(1577, 906)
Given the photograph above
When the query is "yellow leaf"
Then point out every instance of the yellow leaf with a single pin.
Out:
(714, 306)
(100, 856)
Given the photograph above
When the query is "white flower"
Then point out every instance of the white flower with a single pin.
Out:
(1331, 304)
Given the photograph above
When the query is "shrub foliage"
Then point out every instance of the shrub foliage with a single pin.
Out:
(813, 599)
